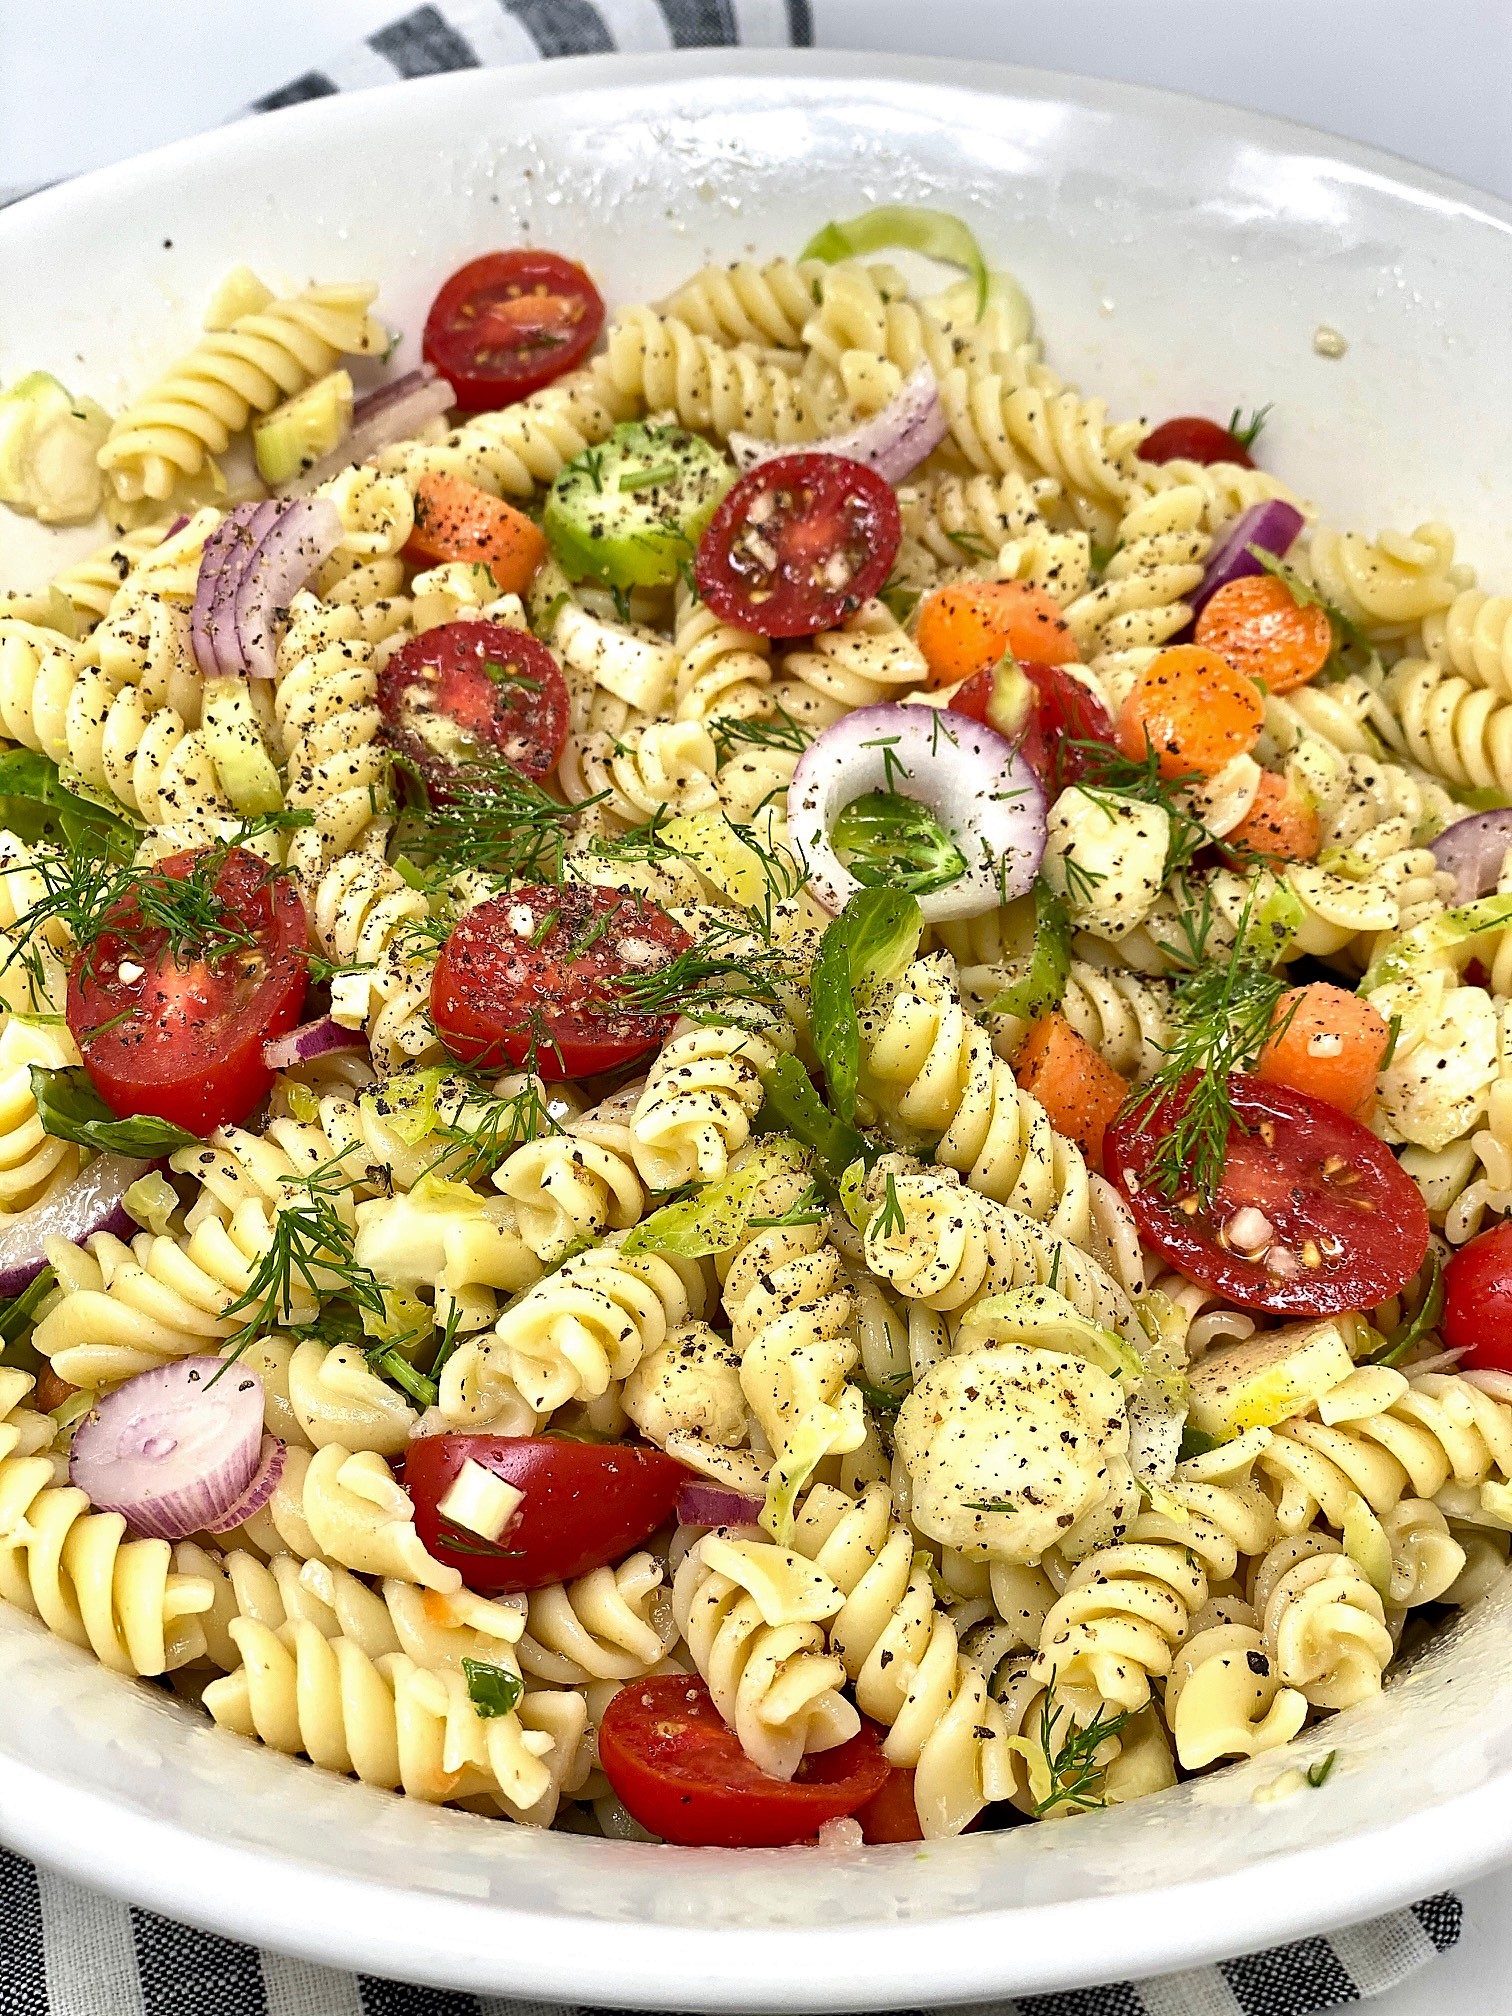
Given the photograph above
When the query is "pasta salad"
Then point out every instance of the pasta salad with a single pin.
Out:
(756, 1084)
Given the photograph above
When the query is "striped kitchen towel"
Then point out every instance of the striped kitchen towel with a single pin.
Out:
(65, 1951)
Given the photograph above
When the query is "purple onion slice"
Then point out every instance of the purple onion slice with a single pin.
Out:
(93, 1202)
(1272, 526)
(308, 1041)
(704, 1504)
(1473, 850)
(893, 442)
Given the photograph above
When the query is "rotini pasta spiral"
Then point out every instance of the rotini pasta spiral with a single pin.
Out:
(722, 671)
(664, 767)
(75, 1570)
(746, 303)
(522, 447)
(192, 412)
(1388, 586)
(573, 1185)
(902, 1654)
(1473, 637)
(752, 1616)
(871, 658)
(1324, 1626)
(699, 1100)
(1458, 729)
(660, 361)
(1227, 487)
(611, 1624)
(1156, 564)
(325, 707)
(31, 1161)
(364, 917)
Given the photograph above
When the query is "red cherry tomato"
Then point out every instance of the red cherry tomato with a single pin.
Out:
(1477, 1315)
(537, 975)
(585, 1504)
(891, 1815)
(1044, 710)
(679, 1769)
(458, 695)
(505, 325)
(798, 545)
(1348, 1225)
(184, 1039)
(1193, 439)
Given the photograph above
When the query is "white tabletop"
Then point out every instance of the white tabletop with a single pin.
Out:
(1430, 82)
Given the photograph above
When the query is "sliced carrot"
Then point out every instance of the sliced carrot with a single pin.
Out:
(1280, 824)
(1327, 1042)
(967, 627)
(1261, 628)
(1193, 709)
(455, 520)
(1079, 1090)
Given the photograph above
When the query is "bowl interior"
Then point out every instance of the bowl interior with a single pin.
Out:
(1180, 257)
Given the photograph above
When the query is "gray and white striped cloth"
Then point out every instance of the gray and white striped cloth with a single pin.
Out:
(65, 1951)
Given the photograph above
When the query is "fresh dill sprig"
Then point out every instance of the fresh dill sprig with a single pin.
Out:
(1076, 1777)
(807, 1209)
(1224, 1010)
(722, 970)
(485, 1126)
(311, 1245)
(972, 545)
(769, 731)
(500, 823)
(889, 1222)
(1246, 429)
(887, 1398)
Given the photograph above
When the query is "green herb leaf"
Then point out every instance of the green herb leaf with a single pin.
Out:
(493, 1690)
(889, 841)
(1318, 1774)
(70, 1109)
(18, 1314)
(1043, 987)
(1407, 1336)
(792, 1106)
(37, 804)
(715, 1217)
(872, 939)
(1194, 1443)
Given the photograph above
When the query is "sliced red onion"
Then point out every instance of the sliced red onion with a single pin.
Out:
(173, 1450)
(178, 524)
(265, 1481)
(973, 779)
(1473, 851)
(305, 535)
(308, 1041)
(93, 1202)
(893, 442)
(1272, 526)
(703, 1504)
(387, 414)
(227, 551)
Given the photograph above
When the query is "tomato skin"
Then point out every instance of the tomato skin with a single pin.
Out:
(891, 1815)
(1366, 1219)
(508, 323)
(586, 1504)
(510, 989)
(189, 1048)
(1477, 1315)
(825, 506)
(1062, 712)
(446, 712)
(680, 1770)
(1193, 438)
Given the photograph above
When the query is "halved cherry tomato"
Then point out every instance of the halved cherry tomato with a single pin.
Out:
(505, 325)
(1193, 709)
(538, 975)
(968, 626)
(1192, 438)
(798, 544)
(1260, 627)
(891, 1815)
(679, 1769)
(1045, 711)
(455, 520)
(585, 1504)
(185, 1041)
(1477, 1315)
(457, 696)
(1280, 824)
(1348, 1225)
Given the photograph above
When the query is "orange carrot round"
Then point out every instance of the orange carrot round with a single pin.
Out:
(455, 520)
(967, 627)
(1079, 1089)
(1280, 824)
(1327, 1042)
(1193, 709)
(1261, 628)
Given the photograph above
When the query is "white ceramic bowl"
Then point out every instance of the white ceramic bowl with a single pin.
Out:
(1181, 257)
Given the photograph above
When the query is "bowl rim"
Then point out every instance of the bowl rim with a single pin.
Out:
(346, 1920)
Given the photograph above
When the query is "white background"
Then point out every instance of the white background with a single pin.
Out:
(84, 82)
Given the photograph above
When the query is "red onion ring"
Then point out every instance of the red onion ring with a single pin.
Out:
(979, 786)
(93, 1202)
(703, 1504)
(1473, 850)
(308, 1041)
(893, 441)
(255, 562)
(265, 1481)
(174, 1450)
(1272, 526)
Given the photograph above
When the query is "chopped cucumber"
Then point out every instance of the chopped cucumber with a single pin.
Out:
(632, 510)
(304, 430)
(234, 738)
(49, 442)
